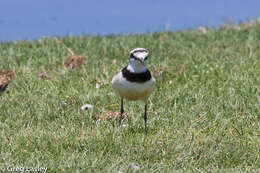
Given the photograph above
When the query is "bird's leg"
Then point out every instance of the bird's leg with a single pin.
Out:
(145, 118)
(121, 112)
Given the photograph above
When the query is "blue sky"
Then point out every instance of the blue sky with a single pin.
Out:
(31, 19)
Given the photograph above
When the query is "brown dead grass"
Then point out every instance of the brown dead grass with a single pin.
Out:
(157, 72)
(100, 82)
(110, 115)
(181, 69)
(72, 61)
(6, 77)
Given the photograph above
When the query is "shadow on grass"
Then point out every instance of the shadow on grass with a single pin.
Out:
(140, 130)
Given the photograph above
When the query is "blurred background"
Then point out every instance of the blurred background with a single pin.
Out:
(32, 19)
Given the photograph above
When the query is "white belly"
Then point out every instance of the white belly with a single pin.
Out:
(131, 90)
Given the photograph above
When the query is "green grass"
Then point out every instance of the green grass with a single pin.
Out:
(203, 116)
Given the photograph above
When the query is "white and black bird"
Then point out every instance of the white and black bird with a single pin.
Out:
(135, 82)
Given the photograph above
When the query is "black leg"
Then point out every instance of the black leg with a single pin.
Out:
(145, 118)
(121, 112)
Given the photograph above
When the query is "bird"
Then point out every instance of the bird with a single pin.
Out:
(135, 82)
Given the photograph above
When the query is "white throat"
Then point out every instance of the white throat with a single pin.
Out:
(136, 67)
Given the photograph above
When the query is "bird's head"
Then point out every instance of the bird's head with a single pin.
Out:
(138, 57)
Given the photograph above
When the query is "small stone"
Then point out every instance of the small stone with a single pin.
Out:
(202, 29)
(134, 167)
(114, 61)
(86, 107)
(43, 75)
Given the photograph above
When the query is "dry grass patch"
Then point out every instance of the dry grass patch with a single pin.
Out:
(6, 77)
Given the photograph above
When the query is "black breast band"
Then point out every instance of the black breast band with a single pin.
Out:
(136, 77)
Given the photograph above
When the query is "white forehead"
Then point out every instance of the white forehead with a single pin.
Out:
(140, 52)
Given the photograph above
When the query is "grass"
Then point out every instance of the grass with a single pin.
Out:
(202, 117)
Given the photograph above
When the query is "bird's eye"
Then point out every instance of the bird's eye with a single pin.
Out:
(132, 56)
(146, 58)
